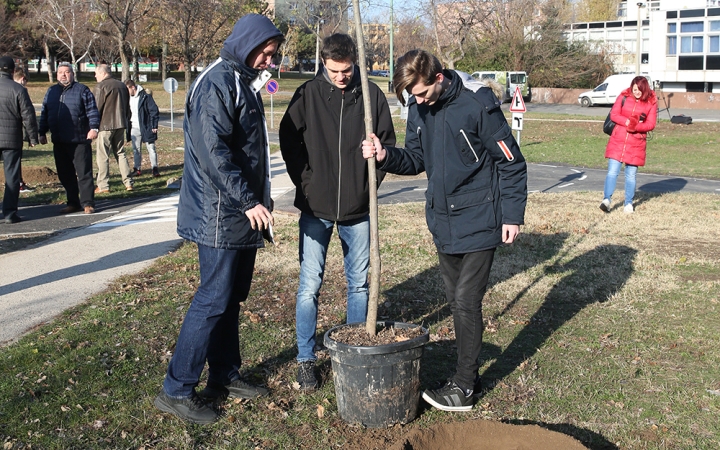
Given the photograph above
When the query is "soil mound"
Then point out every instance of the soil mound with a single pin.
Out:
(486, 435)
(35, 175)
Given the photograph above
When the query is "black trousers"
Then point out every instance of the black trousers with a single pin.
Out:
(11, 164)
(74, 167)
(466, 277)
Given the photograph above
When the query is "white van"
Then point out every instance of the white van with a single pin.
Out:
(608, 91)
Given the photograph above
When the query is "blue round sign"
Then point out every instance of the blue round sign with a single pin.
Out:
(272, 87)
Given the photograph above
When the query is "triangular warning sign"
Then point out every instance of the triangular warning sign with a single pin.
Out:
(518, 104)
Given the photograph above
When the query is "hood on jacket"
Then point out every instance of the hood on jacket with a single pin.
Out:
(138, 89)
(354, 80)
(652, 98)
(248, 33)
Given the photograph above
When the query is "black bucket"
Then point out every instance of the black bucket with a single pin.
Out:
(377, 386)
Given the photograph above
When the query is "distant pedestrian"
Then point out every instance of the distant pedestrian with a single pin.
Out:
(70, 114)
(20, 77)
(320, 135)
(224, 208)
(476, 196)
(113, 103)
(145, 118)
(634, 114)
(16, 112)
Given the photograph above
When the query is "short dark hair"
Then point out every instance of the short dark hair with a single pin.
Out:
(339, 47)
(129, 83)
(413, 67)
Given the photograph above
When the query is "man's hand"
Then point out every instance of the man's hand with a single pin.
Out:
(154, 130)
(260, 217)
(509, 233)
(43, 139)
(92, 134)
(373, 148)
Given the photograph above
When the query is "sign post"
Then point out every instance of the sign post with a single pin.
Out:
(517, 107)
(272, 87)
(171, 86)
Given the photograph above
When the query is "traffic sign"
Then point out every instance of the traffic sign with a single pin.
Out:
(517, 121)
(170, 85)
(272, 87)
(518, 104)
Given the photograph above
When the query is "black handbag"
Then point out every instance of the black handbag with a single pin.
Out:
(609, 125)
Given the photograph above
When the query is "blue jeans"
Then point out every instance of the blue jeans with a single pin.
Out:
(611, 180)
(210, 329)
(315, 236)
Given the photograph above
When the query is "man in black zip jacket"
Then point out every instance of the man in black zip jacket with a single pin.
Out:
(320, 138)
(476, 195)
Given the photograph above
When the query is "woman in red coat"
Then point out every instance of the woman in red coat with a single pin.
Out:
(634, 114)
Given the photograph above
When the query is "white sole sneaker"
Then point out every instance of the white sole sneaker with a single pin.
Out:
(605, 205)
(629, 209)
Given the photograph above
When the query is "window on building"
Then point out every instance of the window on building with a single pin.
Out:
(691, 27)
(714, 25)
(714, 44)
(691, 44)
(672, 28)
(672, 45)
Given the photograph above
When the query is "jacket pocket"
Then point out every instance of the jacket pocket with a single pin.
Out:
(468, 154)
(471, 212)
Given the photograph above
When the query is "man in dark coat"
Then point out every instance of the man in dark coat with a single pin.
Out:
(476, 195)
(225, 209)
(320, 137)
(16, 112)
(69, 112)
(145, 118)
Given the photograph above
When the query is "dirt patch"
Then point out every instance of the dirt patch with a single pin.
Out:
(35, 175)
(486, 435)
(358, 337)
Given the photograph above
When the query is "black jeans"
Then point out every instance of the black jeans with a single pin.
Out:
(74, 167)
(466, 277)
(11, 164)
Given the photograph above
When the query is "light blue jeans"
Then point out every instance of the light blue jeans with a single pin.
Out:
(611, 180)
(136, 139)
(315, 236)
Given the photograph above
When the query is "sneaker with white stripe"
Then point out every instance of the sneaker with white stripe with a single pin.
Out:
(450, 397)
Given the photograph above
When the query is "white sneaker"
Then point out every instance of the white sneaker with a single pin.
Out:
(629, 208)
(605, 205)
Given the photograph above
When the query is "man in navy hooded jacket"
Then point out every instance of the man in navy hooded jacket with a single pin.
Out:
(225, 209)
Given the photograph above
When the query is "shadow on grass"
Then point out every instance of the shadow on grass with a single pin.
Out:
(609, 265)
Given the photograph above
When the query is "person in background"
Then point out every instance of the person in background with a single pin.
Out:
(113, 103)
(16, 113)
(225, 209)
(634, 114)
(20, 77)
(476, 196)
(320, 135)
(69, 112)
(145, 117)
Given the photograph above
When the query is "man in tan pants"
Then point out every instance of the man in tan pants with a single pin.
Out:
(113, 102)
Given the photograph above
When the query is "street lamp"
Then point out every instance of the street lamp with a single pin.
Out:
(638, 54)
(317, 44)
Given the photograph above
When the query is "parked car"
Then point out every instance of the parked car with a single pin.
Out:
(607, 92)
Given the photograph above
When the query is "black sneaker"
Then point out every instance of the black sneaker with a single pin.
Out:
(215, 392)
(13, 218)
(155, 172)
(306, 376)
(450, 397)
(193, 409)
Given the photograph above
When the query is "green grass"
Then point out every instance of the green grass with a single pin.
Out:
(593, 328)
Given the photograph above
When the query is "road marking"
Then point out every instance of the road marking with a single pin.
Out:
(279, 192)
(582, 177)
(546, 165)
(420, 189)
(565, 185)
(97, 213)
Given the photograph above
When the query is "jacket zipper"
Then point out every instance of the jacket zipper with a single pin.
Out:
(217, 220)
(470, 145)
(342, 105)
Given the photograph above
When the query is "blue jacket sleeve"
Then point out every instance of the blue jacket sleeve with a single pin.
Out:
(91, 110)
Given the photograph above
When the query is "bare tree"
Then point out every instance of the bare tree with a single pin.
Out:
(412, 32)
(597, 10)
(454, 23)
(122, 14)
(197, 28)
(68, 23)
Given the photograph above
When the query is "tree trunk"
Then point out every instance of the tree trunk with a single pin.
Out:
(49, 60)
(371, 321)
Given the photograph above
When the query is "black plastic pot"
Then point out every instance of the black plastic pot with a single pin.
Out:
(377, 386)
